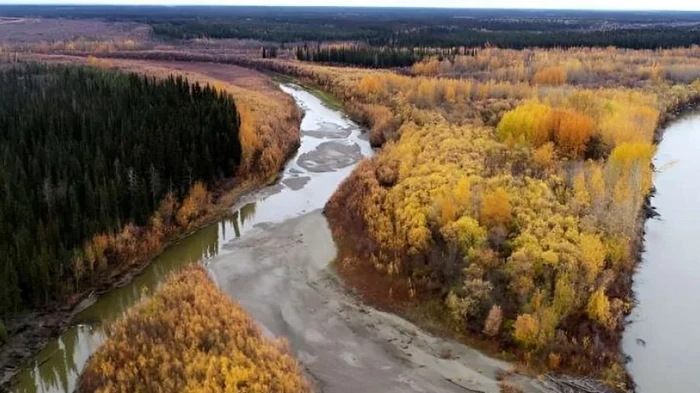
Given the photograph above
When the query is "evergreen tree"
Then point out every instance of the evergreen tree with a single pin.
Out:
(86, 151)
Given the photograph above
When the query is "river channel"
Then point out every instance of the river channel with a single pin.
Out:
(272, 256)
(330, 147)
(663, 338)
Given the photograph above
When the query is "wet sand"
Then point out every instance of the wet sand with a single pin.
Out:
(279, 271)
(281, 275)
(273, 257)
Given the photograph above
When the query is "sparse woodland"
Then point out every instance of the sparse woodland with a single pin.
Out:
(189, 337)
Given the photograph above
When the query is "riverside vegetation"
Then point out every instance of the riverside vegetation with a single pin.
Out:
(190, 337)
(508, 197)
(509, 192)
(513, 195)
(86, 153)
(102, 168)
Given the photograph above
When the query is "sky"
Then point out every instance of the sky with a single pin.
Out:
(680, 5)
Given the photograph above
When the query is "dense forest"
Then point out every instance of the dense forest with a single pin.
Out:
(369, 57)
(410, 35)
(85, 152)
(406, 27)
(190, 337)
(507, 198)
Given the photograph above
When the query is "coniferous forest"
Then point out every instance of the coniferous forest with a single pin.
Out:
(369, 57)
(86, 151)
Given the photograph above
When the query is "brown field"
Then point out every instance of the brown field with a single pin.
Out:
(25, 31)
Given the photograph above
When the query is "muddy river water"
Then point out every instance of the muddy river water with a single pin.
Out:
(663, 338)
(272, 256)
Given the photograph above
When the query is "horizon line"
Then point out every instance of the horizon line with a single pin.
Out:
(203, 5)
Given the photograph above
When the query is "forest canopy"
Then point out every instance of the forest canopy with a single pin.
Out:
(398, 27)
(86, 153)
(190, 337)
(509, 188)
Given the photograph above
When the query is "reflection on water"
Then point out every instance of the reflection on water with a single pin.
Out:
(56, 368)
(663, 339)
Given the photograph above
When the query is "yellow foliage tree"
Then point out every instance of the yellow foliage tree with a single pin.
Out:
(552, 76)
(247, 134)
(465, 232)
(194, 205)
(592, 255)
(370, 85)
(527, 330)
(463, 194)
(528, 123)
(190, 337)
(496, 208)
(543, 157)
(598, 309)
(582, 198)
(573, 131)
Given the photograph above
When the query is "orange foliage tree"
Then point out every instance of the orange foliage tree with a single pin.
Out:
(190, 337)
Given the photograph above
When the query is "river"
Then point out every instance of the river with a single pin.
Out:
(663, 338)
(330, 147)
(272, 256)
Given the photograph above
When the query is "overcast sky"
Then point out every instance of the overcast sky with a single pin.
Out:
(551, 4)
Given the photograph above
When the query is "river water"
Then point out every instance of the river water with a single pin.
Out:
(663, 339)
(331, 145)
(272, 257)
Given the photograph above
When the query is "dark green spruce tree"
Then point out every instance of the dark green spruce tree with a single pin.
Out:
(85, 151)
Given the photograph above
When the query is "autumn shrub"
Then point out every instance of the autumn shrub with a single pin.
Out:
(509, 387)
(495, 208)
(515, 204)
(190, 337)
(553, 75)
(589, 67)
(492, 325)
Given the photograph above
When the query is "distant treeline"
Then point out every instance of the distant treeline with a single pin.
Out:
(261, 29)
(363, 56)
(436, 36)
(86, 151)
(405, 27)
(661, 37)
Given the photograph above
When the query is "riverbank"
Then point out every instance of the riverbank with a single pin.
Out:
(423, 262)
(647, 213)
(398, 295)
(200, 336)
(30, 332)
(658, 338)
(281, 275)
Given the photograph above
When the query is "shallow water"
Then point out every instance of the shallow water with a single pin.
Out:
(663, 339)
(56, 368)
